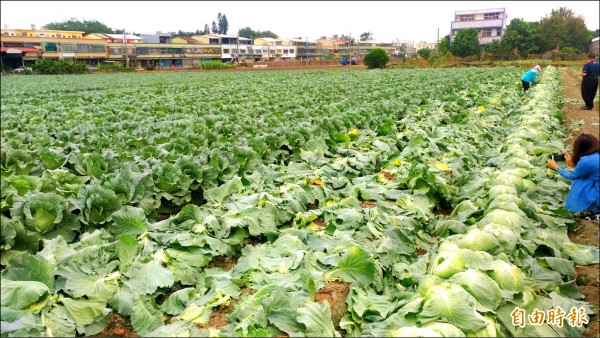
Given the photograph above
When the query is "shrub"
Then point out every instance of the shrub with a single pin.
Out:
(115, 67)
(48, 66)
(377, 58)
(216, 64)
(424, 53)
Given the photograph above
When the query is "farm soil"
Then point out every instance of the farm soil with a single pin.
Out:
(368, 204)
(335, 293)
(118, 326)
(218, 318)
(579, 121)
(225, 263)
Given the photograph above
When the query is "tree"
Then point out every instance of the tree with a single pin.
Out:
(206, 29)
(182, 33)
(323, 37)
(249, 33)
(219, 23)
(424, 53)
(223, 24)
(521, 35)
(215, 29)
(335, 36)
(465, 43)
(85, 26)
(444, 45)
(563, 29)
(595, 33)
(366, 36)
(377, 58)
(495, 47)
(268, 34)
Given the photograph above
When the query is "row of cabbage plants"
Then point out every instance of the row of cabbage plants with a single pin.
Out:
(357, 197)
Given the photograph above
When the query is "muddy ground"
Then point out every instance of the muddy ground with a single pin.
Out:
(579, 121)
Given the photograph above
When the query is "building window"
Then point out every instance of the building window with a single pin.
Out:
(468, 17)
(98, 48)
(486, 32)
(68, 48)
(489, 16)
(225, 50)
(115, 51)
(83, 48)
(50, 46)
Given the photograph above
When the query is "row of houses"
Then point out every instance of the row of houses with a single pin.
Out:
(24, 46)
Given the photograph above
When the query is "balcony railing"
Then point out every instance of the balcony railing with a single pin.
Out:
(484, 40)
(478, 24)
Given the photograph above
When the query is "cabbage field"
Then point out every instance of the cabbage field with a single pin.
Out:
(167, 198)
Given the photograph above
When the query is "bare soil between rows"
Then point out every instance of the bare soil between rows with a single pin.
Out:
(579, 121)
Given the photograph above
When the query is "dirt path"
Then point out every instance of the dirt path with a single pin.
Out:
(585, 121)
(582, 121)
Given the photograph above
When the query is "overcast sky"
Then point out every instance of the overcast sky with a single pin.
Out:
(387, 20)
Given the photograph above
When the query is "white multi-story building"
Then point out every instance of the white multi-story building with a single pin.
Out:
(489, 23)
(422, 45)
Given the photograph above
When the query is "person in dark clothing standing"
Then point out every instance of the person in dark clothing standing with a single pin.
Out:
(589, 82)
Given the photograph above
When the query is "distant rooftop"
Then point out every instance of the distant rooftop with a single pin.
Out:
(472, 11)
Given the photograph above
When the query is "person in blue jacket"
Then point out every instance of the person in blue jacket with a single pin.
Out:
(529, 77)
(584, 196)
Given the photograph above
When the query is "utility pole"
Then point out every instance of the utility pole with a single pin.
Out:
(125, 42)
(437, 42)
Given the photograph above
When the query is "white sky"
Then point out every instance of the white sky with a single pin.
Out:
(387, 20)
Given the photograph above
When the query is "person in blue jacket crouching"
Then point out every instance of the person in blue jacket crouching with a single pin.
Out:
(584, 196)
(529, 77)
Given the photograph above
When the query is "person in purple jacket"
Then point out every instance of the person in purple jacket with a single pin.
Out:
(584, 196)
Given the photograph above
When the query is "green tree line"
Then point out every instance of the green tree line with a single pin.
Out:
(220, 26)
(561, 30)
